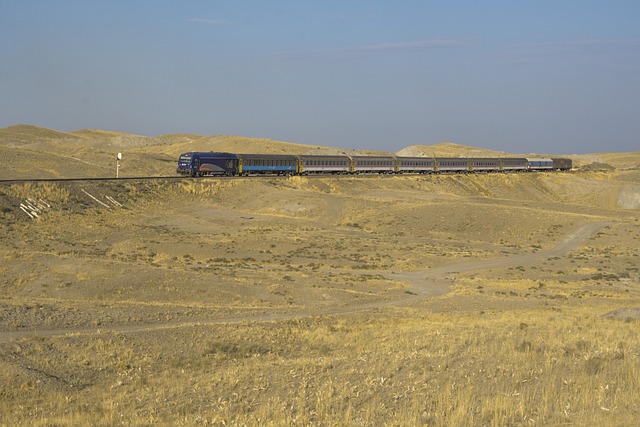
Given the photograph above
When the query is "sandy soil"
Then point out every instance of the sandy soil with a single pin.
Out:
(151, 291)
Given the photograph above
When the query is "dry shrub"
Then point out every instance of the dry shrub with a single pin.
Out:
(48, 192)
(202, 187)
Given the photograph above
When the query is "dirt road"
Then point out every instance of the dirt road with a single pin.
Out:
(422, 284)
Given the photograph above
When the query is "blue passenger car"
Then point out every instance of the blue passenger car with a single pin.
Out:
(207, 163)
(267, 164)
(540, 164)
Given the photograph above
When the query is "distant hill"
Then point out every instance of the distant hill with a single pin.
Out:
(97, 133)
(449, 149)
(28, 134)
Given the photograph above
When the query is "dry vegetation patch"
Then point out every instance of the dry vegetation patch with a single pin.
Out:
(303, 301)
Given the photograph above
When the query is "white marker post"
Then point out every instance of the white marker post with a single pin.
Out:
(118, 158)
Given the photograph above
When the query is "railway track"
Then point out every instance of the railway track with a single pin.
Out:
(364, 175)
(88, 179)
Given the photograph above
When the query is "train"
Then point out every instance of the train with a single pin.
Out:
(231, 164)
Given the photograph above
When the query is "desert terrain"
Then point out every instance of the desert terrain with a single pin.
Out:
(439, 300)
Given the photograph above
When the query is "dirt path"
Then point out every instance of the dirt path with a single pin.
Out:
(422, 284)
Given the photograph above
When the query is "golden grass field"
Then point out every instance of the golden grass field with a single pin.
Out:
(447, 300)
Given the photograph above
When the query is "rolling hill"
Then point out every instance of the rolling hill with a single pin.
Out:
(37, 152)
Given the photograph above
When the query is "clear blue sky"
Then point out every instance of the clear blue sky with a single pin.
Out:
(554, 76)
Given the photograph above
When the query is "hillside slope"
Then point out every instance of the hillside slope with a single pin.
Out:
(36, 152)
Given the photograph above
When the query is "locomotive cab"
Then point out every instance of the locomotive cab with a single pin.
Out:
(207, 163)
(185, 164)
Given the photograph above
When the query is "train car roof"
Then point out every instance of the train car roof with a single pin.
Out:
(373, 157)
(322, 156)
(210, 153)
(267, 156)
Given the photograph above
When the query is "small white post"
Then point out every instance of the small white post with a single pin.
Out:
(118, 158)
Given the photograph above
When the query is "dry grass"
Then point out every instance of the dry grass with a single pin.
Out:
(524, 367)
(49, 192)
(207, 302)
